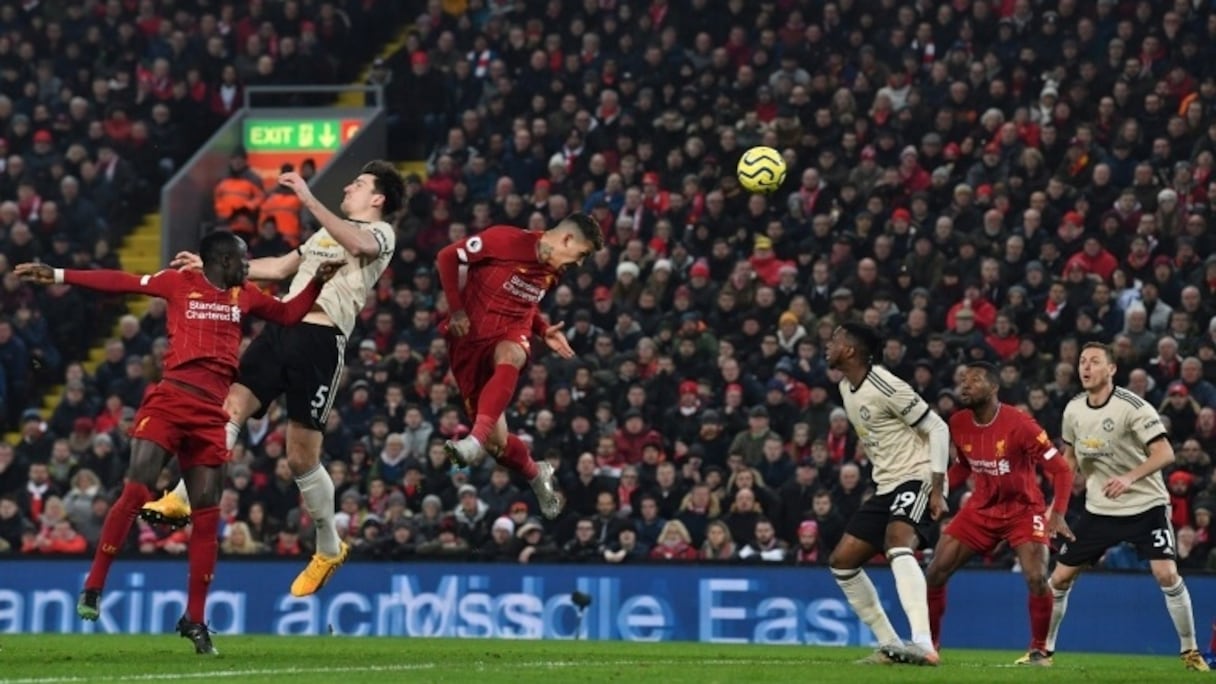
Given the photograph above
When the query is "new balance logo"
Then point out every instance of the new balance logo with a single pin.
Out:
(195, 295)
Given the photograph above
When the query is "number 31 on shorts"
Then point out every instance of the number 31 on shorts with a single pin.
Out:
(1163, 538)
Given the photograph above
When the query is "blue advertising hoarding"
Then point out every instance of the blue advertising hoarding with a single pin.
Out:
(716, 604)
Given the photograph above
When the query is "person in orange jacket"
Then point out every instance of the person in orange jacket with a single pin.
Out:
(239, 195)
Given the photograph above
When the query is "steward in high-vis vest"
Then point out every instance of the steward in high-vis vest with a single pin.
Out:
(283, 207)
(239, 196)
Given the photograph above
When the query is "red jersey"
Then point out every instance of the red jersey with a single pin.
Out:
(203, 321)
(1002, 455)
(495, 277)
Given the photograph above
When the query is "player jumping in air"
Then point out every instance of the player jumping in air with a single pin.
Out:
(184, 414)
(1001, 446)
(494, 282)
(909, 446)
(1121, 446)
(305, 361)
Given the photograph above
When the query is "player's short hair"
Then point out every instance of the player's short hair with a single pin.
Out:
(864, 338)
(587, 226)
(388, 184)
(217, 245)
(1106, 348)
(990, 371)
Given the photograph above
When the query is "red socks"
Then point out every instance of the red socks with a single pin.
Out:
(114, 532)
(493, 401)
(516, 457)
(204, 544)
(937, 608)
(1040, 620)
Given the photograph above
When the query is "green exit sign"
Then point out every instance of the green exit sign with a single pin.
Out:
(298, 135)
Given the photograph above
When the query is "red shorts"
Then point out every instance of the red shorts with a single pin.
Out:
(473, 362)
(981, 533)
(184, 424)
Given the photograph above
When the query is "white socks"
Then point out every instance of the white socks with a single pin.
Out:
(862, 595)
(317, 490)
(233, 430)
(1059, 606)
(913, 594)
(1178, 602)
(180, 490)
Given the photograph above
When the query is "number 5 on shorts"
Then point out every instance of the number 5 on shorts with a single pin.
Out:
(320, 398)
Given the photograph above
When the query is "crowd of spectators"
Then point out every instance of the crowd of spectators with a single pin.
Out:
(976, 179)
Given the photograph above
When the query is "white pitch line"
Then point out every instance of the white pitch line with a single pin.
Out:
(479, 664)
(224, 674)
(353, 669)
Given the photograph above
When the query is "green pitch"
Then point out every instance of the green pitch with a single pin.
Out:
(47, 659)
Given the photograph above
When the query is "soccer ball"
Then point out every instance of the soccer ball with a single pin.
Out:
(761, 169)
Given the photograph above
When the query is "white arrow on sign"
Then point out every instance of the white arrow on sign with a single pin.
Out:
(327, 136)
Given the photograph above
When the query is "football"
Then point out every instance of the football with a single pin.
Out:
(761, 170)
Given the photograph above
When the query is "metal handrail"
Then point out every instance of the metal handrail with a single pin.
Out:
(365, 88)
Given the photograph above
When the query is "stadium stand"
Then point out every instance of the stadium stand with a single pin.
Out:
(998, 182)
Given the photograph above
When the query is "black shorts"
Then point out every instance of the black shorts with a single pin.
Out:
(1150, 532)
(302, 361)
(909, 502)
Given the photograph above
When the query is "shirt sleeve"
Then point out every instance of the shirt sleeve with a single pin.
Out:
(1035, 442)
(903, 400)
(386, 238)
(1145, 424)
(166, 284)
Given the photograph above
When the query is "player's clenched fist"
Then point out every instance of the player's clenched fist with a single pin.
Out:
(458, 324)
(327, 270)
(296, 182)
(40, 274)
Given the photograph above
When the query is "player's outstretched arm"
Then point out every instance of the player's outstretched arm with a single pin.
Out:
(361, 243)
(161, 284)
(291, 311)
(266, 268)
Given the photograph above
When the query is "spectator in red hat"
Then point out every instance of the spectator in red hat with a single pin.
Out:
(682, 422)
(867, 173)
(654, 197)
(1180, 407)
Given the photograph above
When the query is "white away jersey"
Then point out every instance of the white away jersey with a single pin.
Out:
(884, 411)
(344, 296)
(1110, 440)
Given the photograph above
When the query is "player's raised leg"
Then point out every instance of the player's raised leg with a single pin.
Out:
(493, 397)
(1032, 557)
(846, 564)
(950, 555)
(902, 540)
(173, 508)
(1178, 603)
(205, 483)
(147, 460)
(511, 452)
